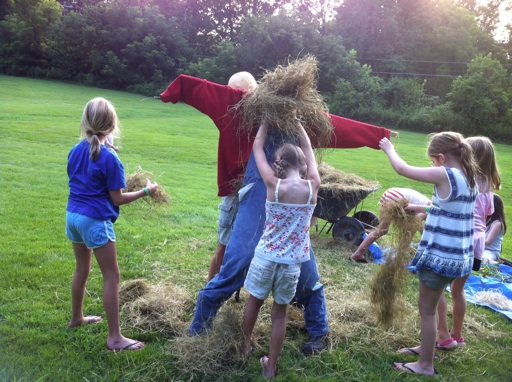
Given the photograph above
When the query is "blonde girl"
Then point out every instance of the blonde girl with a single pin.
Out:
(445, 251)
(488, 180)
(96, 183)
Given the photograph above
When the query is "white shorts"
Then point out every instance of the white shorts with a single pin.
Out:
(265, 276)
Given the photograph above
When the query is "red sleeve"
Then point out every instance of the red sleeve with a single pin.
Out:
(207, 97)
(349, 134)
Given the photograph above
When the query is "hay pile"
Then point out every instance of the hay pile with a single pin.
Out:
(340, 182)
(216, 352)
(288, 88)
(494, 297)
(340, 192)
(387, 284)
(161, 308)
(137, 180)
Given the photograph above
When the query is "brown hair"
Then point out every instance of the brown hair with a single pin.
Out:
(485, 157)
(289, 156)
(499, 213)
(455, 146)
(99, 119)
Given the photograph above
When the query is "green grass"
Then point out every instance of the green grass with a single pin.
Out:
(39, 123)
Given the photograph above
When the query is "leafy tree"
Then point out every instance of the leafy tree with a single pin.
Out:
(117, 46)
(482, 95)
(25, 36)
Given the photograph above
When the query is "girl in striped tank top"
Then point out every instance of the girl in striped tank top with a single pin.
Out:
(445, 251)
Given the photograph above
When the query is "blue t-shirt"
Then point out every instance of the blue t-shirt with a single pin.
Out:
(90, 182)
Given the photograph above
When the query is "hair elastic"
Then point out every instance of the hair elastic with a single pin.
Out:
(146, 191)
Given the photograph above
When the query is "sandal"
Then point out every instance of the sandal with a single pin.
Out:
(447, 345)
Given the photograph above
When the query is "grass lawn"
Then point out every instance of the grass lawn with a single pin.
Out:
(173, 243)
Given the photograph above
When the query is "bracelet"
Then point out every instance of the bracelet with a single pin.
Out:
(146, 191)
(427, 209)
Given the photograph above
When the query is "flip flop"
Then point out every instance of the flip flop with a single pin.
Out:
(92, 319)
(128, 347)
(460, 341)
(447, 345)
(400, 366)
(408, 351)
(411, 351)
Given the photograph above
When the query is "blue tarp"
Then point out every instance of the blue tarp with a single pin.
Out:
(501, 283)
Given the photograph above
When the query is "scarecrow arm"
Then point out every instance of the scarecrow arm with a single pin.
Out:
(349, 134)
(209, 98)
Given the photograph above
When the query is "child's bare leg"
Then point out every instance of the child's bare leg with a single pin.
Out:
(107, 260)
(83, 257)
(252, 309)
(369, 240)
(459, 305)
(443, 332)
(428, 300)
(278, 316)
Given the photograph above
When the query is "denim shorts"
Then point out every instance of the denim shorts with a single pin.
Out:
(265, 276)
(228, 210)
(93, 233)
(434, 280)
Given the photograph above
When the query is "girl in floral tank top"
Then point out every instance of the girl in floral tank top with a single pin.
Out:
(292, 185)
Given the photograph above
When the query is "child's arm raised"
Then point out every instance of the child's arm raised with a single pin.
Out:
(434, 175)
(305, 145)
(266, 172)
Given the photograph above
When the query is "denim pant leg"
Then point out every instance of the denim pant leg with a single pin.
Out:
(247, 231)
(310, 294)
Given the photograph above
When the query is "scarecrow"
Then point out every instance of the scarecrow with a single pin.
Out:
(237, 114)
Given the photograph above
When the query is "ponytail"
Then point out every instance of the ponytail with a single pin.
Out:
(453, 144)
(99, 119)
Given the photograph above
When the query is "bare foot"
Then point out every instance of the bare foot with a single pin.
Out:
(85, 320)
(125, 344)
(413, 368)
(264, 365)
(359, 258)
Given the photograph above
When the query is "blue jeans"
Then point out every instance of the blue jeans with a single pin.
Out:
(247, 231)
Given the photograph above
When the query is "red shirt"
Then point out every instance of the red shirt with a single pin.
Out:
(215, 101)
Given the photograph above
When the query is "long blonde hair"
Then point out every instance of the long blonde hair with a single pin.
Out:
(485, 157)
(455, 146)
(99, 119)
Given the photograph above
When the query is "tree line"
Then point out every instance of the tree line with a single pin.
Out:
(420, 65)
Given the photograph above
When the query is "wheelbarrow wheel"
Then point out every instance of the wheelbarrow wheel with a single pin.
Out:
(348, 229)
(368, 218)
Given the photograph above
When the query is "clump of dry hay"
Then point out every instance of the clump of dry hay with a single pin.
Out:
(161, 308)
(137, 180)
(494, 297)
(340, 182)
(340, 192)
(217, 351)
(387, 284)
(287, 88)
(132, 290)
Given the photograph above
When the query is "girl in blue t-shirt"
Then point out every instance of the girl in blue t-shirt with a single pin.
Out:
(445, 251)
(96, 182)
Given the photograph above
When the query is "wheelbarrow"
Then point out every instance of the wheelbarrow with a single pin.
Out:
(333, 207)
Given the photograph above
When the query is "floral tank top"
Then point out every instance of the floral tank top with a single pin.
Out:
(285, 237)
